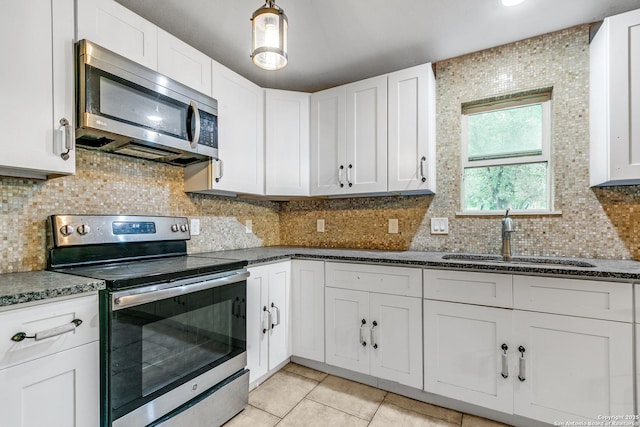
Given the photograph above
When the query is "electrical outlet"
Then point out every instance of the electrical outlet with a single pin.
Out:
(439, 225)
(194, 226)
(320, 225)
(248, 226)
(393, 226)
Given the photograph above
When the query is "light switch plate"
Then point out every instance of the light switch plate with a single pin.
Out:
(248, 226)
(393, 226)
(320, 225)
(439, 225)
(194, 226)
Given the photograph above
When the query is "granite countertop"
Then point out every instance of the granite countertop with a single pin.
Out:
(16, 288)
(619, 270)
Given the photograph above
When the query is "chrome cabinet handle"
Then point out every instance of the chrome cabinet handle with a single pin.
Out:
(65, 139)
(340, 170)
(277, 316)
(521, 364)
(267, 318)
(505, 361)
(374, 324)
(218, 169)
(48, 333)
(423, 177)
(362, 339)
(349, 175)
(193, 116)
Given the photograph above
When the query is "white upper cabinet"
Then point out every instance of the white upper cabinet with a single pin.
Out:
(412, 130)
(367, 136)
(328, 141)
(287, 143)
(240, 164)
(349, 139)
(118, 29)
(182, 63)
(37, 87)
(615, 101)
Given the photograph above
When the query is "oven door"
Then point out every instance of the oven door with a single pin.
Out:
(167, 343)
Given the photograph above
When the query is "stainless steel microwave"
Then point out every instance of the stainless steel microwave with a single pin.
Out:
(128, 109)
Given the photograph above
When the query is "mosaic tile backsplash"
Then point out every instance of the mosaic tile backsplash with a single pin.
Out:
(110, 184)
(594, 223)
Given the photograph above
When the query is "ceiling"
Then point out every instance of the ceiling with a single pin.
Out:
(332, 42)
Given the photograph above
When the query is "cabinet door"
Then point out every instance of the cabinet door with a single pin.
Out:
(118, 29)
(279, 282)
(240, 132)
(328, 142)
(37, 85)
(412, 129)
(463, 355)
(367, 136)
(396, 337)
(60, 390)
(287, 143)
(347, 329)
(257, 323)
(307, 304)
(181, 62)
(575, 369)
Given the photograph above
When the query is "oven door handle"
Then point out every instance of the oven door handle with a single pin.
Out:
(123, 299)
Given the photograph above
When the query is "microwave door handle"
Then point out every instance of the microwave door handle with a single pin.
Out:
(194, 115)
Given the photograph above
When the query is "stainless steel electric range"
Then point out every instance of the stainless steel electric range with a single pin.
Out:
(172, 326)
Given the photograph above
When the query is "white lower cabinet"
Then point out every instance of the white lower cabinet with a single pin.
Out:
(572, 368)
(307, 309)
(267, 318)
(55, 381)
(463, 354)
(543, 364)
(374, 333)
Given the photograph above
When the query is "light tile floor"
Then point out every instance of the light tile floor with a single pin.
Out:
(299, 396)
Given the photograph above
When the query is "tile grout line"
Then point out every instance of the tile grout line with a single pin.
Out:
(303, 397)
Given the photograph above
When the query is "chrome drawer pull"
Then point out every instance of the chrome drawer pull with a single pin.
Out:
(48, 333)
(505, 362)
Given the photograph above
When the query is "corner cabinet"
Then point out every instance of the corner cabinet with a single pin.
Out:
(240, 164)
(286, 143)
(373, 321)
(349, 139)
(614, 103)
(53, 382)
(268, 344)
(307, 309)
(37, 43)
(412, 130)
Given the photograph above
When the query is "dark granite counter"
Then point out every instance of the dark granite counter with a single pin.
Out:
(617, 270)
(16, 288)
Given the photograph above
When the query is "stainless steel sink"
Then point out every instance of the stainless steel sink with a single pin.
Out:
(520, 260)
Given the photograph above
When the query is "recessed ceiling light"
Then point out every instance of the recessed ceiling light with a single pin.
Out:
(511, 2)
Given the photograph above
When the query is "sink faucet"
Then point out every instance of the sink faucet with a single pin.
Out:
(507, 229)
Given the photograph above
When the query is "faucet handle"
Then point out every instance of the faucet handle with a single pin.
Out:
(506, 214)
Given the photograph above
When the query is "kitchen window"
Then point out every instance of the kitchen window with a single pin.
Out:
(506, 160)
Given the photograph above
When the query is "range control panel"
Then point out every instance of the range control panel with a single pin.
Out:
(72, 230)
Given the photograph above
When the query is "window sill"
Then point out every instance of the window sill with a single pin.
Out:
(511, 213)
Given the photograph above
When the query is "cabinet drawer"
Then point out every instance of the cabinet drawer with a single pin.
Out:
(469, 287)
(44, 317)
(405, 281)
(574, 297)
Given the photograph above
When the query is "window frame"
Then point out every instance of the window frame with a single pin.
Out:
(543, 157)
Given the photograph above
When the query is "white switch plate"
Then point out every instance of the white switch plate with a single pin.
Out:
(320, 225)
(393, 226)
(195, 226)
(248, 226)
(439, 225)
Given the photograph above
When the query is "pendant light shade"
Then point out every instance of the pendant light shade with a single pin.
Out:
(269, 24)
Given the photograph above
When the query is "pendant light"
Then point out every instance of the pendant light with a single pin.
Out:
(269, 24)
